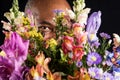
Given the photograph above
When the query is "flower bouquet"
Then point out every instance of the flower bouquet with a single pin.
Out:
(76, 53)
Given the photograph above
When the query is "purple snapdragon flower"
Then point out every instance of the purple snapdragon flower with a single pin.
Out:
(105, 35)
(95, 72)
(93, 58)
(93, 24)
(16, 50)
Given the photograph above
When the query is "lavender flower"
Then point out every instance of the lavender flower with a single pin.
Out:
(93, 24)
(108, 63)
(92, 71)
(118, 49)
(95, 44)
(115, 68)
(93, 58)
(105, 35)
(116, 75)
(99, 73)
(16, 50)
(79, 64)
(57, 11)
(95, 72)
(107, 76)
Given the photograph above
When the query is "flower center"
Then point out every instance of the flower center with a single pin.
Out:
(107, 78)
(92, 36)
(93, 74)
(2, 53)
(93, 58)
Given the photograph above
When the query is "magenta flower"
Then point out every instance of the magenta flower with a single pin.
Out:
(93, 24)
(16, 50)
(93, 58)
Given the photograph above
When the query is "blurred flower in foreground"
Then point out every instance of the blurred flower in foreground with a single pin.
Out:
(11, 63)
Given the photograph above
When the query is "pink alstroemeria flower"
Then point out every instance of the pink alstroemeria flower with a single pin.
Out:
(16, 50)
(78, 53)
(67, 44)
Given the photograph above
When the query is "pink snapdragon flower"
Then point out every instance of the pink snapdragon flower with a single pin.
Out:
(78, 53)
(67, 44)
(79, 33)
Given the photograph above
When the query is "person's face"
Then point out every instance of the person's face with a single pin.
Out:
(43, 12)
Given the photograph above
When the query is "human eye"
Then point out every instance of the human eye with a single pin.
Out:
(44, 28)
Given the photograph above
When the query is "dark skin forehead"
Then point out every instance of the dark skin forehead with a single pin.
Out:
(43, 10)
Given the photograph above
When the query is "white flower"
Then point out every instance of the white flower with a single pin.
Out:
(19, 19)
(79, 5)
(116, 39)
(9, 16)
(71, 14)
(110, 41)
(82, 18)
(6, 26)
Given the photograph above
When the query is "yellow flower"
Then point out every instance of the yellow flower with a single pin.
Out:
(40, 58)
(50, 76)
(26, 21)
(35, 34)
(34, 72)
(52, 43)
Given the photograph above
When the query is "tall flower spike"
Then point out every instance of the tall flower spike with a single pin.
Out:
(78, 5)
(15, 8)
(94, 22)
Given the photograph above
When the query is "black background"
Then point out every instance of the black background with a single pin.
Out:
(110, 13)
